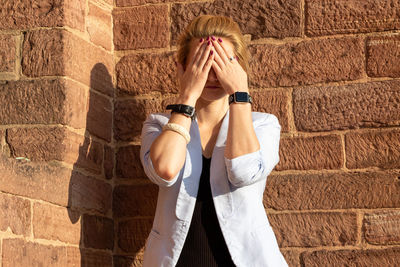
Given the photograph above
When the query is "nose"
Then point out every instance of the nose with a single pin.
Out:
(212, 76)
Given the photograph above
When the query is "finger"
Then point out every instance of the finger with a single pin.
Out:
(209, 62)
(198, 52)
(221, 50)
(219, 61)
(205, 56)
(216, 67)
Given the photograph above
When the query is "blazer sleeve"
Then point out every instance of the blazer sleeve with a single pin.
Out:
(252, 167)
(152, 128)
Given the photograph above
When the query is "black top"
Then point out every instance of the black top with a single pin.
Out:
(205, 245)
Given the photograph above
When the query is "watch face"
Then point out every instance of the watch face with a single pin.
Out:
(242, 97)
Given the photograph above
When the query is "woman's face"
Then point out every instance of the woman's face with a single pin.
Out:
(212, 90)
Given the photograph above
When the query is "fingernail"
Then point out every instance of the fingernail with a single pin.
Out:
(208, 38)
(211, 52)
(209, 42)
(220, 40)
(213, 38)
(201, 40)
(176, 64)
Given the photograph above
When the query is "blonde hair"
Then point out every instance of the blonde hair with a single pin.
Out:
(208, 25)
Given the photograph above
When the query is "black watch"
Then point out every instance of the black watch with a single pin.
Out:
(240, 97)
(183, 109)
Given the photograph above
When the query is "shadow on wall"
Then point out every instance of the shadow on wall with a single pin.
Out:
(90, 189)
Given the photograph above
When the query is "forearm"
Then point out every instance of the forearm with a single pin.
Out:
(241, 138)
(168, 151)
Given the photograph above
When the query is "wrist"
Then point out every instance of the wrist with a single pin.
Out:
(187, 100)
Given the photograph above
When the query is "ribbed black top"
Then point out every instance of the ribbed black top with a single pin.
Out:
(205, 245)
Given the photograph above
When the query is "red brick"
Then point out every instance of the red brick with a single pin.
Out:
(292, 257)
(326, 108)
(125, 3)
(316, 152)
(98, 232)
(129, 116)
(54, 223)
(141, 27)
(88, 193)
(18, 253)
(36, 180)
(275, 102)
(97, 258)
(7, 53)
(126, 261)
(368, 257)
(44, 13)
(15, 214)
(382, 228)
(54, 101)
(128, 163)
(55, 143)
(260, 18)
(307, 62)
(383, 56)
(108, 163)
(137, 200)
(351, 16)
(57, 52)
(132, 234)
(146, 73)
(99, 116)
(373, 149)
(341, 190)
(315, 229)
(99, 26)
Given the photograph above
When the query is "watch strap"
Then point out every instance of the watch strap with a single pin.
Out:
(240, 97)
(183, 109)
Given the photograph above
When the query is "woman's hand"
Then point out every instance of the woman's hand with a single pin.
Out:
(230, 73)
(193, 79)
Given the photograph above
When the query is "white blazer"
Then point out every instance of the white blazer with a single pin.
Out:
(237, 187)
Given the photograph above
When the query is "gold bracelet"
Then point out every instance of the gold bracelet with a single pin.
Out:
(179, 129)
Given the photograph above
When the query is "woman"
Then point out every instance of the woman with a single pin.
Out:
(211, 166)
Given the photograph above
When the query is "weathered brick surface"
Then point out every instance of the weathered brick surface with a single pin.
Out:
(141, 27)
(307, 62)
(35, 180)
(55, 143)
(353, 16)
(382, 228)
(260, 19)
(129, 116)
(132, 234)
(99, 116)
(108, 163)
(54, 223)
(327, 191)
(96, 258)
(45, 101)
(98, 232)
(88, 193)
(61, 53)
(126, 261)
(124, 3)
(315, 229)
(326, 108)
(383, 56)
(275, 102)
(139, 200)
(128, 163)
(303, 153)
(292, 257)
(146, 73)
(45, 13)
(18, 253)
(368, 257)
(379, 149)
(15, 214)
(99, 26)
(7, 52)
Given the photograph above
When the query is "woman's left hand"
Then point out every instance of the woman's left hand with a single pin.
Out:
(230, 73)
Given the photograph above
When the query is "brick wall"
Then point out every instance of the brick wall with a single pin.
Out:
(78, 78)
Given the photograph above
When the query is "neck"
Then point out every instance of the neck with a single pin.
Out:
(211, 112)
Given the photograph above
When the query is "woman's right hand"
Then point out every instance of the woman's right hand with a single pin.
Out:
(193, 79)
